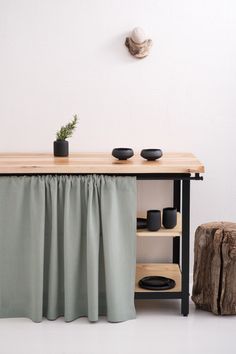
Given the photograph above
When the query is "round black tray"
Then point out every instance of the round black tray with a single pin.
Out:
(156, 282)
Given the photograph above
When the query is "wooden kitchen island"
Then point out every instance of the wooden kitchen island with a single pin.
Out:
(180, 168)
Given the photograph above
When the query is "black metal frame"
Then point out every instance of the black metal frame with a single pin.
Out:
(181, 200)
(181, 197)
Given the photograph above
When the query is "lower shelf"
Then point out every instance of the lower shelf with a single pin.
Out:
(168, 270)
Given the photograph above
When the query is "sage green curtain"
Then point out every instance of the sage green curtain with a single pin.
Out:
(67, 247)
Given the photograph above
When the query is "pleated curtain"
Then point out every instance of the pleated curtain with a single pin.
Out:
(67, 247)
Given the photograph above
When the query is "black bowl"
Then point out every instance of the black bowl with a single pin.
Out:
(122, 153)
(151, 154)
(141, 223)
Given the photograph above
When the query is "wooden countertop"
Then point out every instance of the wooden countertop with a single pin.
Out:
(12, 163)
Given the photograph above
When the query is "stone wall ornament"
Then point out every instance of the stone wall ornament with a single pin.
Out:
(138, 44)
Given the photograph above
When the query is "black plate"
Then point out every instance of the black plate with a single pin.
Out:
(141, 223)
(155, 282)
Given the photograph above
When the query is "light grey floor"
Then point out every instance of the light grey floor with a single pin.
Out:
(158, 329)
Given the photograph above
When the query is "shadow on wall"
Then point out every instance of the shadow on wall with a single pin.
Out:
(117, 49)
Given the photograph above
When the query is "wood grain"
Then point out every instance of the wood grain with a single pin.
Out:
(214, 280)
(95, 162)
(207, 266)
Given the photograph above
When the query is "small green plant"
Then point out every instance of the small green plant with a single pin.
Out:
(67, 130)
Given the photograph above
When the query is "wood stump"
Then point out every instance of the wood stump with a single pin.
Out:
(214, 279)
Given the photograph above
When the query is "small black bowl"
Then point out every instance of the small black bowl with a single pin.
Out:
(151, 154)
(141, 223)
(122, 153)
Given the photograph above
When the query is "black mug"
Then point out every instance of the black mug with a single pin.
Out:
(153, 220)
(169, 218)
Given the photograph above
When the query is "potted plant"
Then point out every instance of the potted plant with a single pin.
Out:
(61, 145)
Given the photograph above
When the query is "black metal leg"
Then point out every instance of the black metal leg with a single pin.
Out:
(185, 246)
(176, 250)
(176, 203)
(176, 194)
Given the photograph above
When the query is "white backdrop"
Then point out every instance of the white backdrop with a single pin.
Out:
(60, 57)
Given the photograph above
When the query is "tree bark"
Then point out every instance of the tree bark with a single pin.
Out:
(214, 280)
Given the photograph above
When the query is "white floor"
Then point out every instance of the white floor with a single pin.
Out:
(158, 329)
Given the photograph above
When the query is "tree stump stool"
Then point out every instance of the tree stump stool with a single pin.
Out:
(214, 279)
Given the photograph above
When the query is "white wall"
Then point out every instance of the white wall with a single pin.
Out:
(60, 57)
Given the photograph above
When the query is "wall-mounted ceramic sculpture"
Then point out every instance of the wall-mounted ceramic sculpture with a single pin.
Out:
(138, 44)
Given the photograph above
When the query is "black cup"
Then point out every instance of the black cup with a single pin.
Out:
(169, 218)
(153, 220)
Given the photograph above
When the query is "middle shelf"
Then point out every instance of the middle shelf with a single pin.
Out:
(176, 231)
